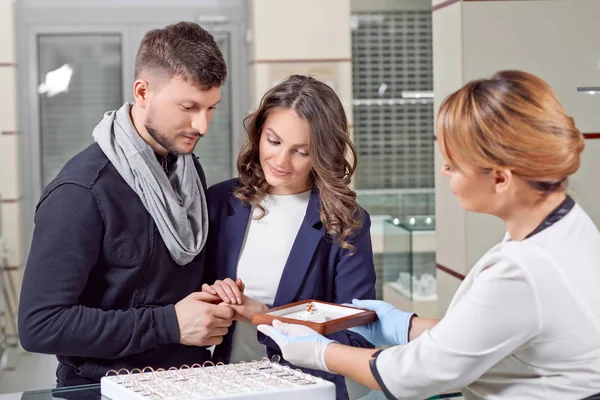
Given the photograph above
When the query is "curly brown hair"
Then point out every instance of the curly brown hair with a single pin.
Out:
(330, 146)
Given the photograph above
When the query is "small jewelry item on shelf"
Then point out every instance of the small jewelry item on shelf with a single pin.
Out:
(310, 308)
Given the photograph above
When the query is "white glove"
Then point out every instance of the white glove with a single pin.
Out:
(299, 344)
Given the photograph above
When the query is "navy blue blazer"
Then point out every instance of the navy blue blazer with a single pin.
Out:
(317, 268)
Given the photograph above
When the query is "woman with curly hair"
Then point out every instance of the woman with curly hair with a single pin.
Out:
(289, 227)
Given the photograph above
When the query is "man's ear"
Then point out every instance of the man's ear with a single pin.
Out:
(141, 90)
(502, 179)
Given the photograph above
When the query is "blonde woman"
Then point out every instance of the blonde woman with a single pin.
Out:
(525, 323)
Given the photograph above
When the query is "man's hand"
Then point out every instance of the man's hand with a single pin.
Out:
(201, 322)
(247, 309)
(229, 291)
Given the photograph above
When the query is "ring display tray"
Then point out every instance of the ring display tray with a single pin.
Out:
(263, 380)
(323, 317)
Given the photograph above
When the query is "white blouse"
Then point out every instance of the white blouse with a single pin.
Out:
(263, 256)
(524, 324)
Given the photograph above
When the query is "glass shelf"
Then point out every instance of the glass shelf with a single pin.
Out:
(409, 258)
(397, 202)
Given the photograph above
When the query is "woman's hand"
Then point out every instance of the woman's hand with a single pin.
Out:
(249, 307)
(299, 344)
(391, 327)
(229, 291)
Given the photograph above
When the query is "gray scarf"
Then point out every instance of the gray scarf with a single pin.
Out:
(177, 204)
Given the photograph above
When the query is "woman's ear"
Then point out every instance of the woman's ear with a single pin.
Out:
(502, 179)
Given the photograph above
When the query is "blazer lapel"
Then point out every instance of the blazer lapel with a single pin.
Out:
(309, 235)
(236, 225)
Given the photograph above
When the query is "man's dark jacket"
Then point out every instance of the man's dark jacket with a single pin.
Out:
(100, 285)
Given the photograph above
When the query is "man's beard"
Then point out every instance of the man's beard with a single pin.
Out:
(169, 143)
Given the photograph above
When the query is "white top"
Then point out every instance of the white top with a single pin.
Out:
(263, 256)
(524, 324)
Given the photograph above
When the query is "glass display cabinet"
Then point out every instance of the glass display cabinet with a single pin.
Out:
(408, 271)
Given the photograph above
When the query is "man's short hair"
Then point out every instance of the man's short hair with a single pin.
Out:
(184, 50)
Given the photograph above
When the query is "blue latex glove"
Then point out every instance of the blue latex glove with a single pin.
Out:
(391, 326)
(300, 345)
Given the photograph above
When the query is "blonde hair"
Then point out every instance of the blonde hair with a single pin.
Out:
(512, 120)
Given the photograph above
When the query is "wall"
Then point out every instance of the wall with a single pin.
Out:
(10, 202)
(309, 37)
